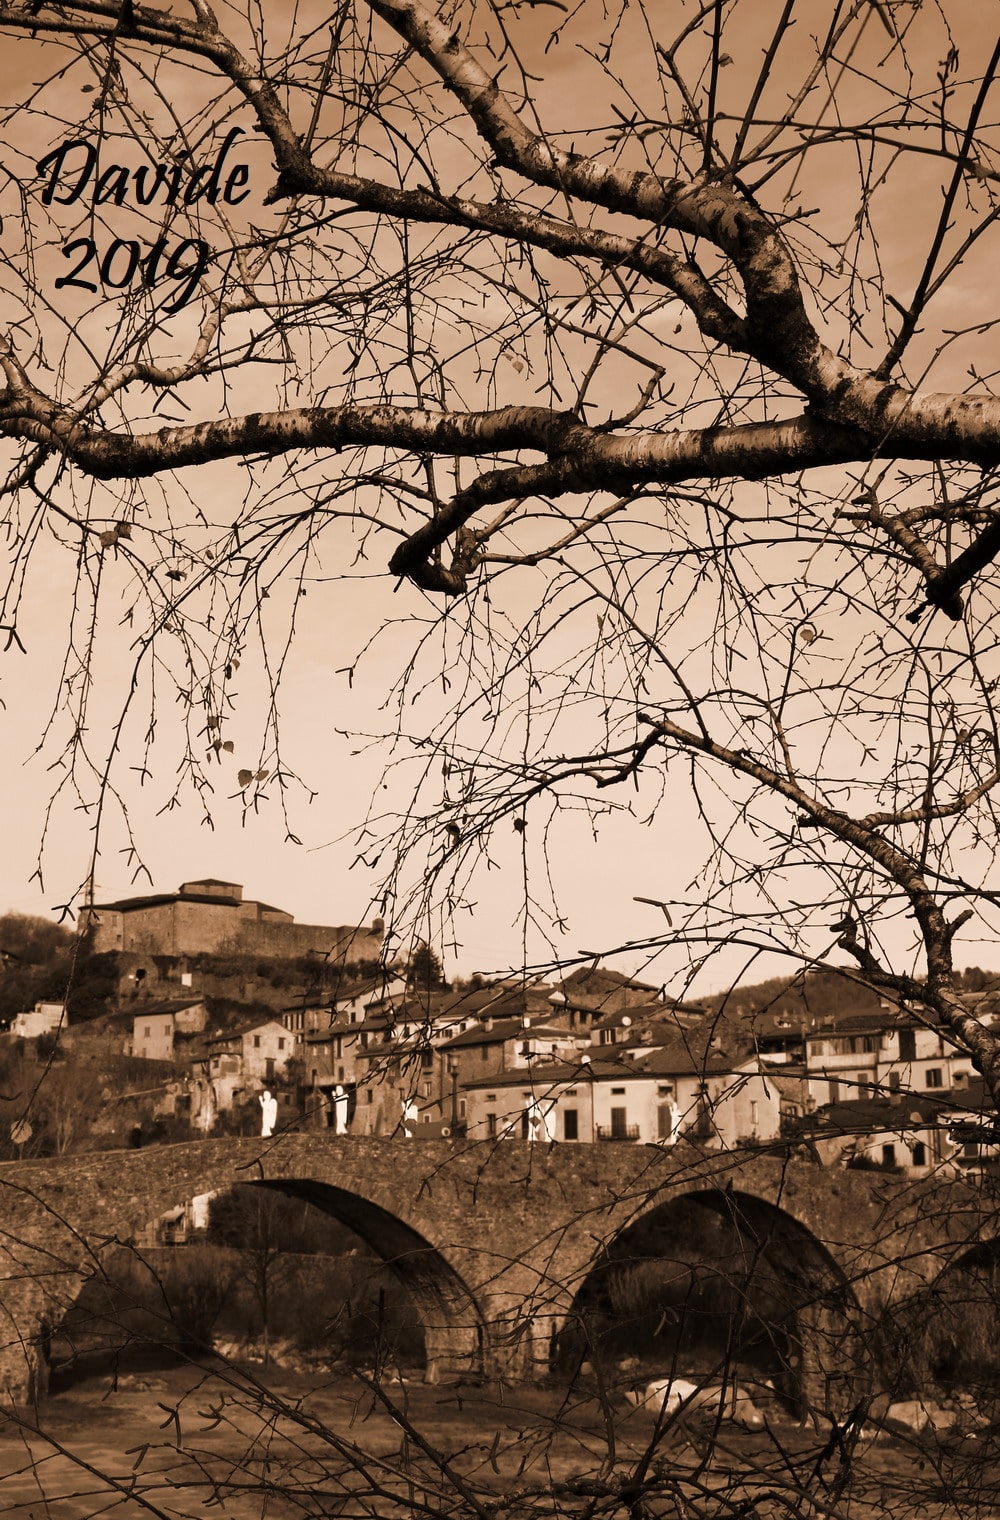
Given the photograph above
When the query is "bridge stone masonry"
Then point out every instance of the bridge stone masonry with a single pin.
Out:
(496, 1241)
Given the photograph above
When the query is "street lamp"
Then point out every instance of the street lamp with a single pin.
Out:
(453, 1074)
(585, 1063)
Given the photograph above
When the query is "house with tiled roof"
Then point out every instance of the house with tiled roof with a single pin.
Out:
(648, 1026)
(156, 1026)
(231, 1067)
(892, 1050)
(656, 1097)
(916, 1134)
(399, 1060)
(591, 992)
(498, 1045)
(43, 1018)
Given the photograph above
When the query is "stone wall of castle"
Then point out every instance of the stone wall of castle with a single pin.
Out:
(182, 926)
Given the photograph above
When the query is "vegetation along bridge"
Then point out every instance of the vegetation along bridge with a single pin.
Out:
(498, 1244)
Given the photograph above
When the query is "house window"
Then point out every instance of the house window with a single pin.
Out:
(146, 1033)
(484, 1052)
(281, 1042)
(571, 1130)
(256, 1042)
(426, 1058)
(491, 1125)
(618, 1092)
(619, 1120)
(888, 1155)
(491, 1097)
(920, 1154)
(461, 1108)
(368, 1095)
(907, 1045)
(932, 1077)
(754, 1106)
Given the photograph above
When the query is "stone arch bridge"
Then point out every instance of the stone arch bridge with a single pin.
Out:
(494, 1241)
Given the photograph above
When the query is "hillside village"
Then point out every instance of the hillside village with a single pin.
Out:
(216, 1001)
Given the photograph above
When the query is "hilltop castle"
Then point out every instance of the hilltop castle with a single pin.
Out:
(213, 918)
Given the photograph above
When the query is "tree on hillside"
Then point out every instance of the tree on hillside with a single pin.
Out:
(32, 940)
(59, 1099)
(38, 958)
(94, 985)
(643, 349)
(423, 969)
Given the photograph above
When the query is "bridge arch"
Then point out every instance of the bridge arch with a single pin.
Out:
(711, 1279)
(945, 1334)
(73, 1215)
(454, 1332)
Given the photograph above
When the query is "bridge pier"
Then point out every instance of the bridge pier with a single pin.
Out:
(453, 1352)
(24, 1360)
(836, 1368)
(519, 1341)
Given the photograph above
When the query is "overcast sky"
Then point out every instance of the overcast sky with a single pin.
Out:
(597, 881)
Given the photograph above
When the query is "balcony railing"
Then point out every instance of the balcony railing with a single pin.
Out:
(618, 1132)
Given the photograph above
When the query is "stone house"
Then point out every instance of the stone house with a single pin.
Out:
(400, 1060)
(236, 1065)
(914, 1134)
(867, 1054)
(498, 1045)
(592, 992)
(42, 1019)
(331, 1040)
(657, 1097)
(156, 1026)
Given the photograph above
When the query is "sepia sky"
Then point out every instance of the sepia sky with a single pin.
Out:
(596, 879)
